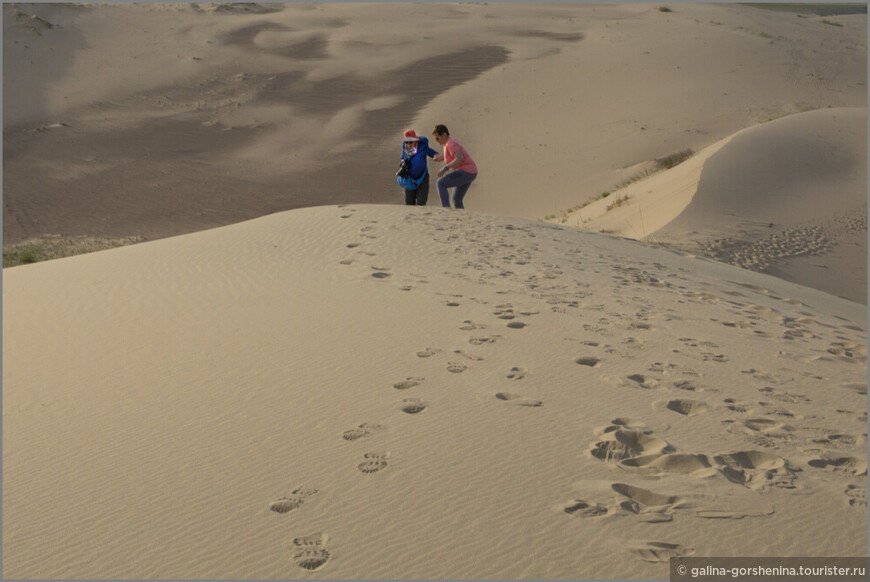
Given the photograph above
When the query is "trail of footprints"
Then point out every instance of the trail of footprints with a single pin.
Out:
(627, 443)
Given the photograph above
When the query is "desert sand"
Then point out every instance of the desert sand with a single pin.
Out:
(509, 400)
(296, 377)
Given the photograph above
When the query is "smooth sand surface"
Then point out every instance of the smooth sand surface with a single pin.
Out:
(299, 378)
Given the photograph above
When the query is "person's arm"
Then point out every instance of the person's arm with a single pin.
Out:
(457, 160)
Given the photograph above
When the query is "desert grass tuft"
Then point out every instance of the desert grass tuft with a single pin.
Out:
(56, 246)
(620, 201)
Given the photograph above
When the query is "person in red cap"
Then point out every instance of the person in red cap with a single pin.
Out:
(413, 174)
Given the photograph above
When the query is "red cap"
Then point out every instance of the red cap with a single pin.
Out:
(411, 135)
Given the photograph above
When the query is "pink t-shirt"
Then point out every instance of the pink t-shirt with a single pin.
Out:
(451, 146)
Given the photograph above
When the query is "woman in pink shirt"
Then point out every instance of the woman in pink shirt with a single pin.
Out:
(463, 169)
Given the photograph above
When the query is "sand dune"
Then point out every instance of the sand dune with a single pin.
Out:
(299, 396)
(788, 197)
(298, 378)
(254, 111)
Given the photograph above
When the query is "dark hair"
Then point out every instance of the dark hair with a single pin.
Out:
(440, 129)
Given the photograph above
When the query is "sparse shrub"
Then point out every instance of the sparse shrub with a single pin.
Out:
(620, 200)
(668, 162)
(664, 9)
(56, 246)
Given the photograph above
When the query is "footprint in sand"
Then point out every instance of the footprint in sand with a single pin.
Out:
(363, 430)
(292, 501)
(646, 505)
(756, 470)
(456, 367)
(663, 367)
(687, 407)
(516, 325)
(309, 541)
(848, 352)
(413, 405)
(660, 551)
(518, 400)
(311, 559)
(687, 385)
(428, 353)
(406, 384)
(373, 463)
(509, 314)
(839, 440)
(583, 508)
(285, 504)
(622, 423)
(857, 495)
(479, 341)
(783, 396)
(589, 361)
(855, 387)
(621, 444)
(767, 427)
(642, 381)
(755, 437)
(780, 411)
(844, 465)
(735, 406)
(517, 373)
(634, 381)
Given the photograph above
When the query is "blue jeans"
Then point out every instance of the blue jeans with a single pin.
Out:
(458, 179)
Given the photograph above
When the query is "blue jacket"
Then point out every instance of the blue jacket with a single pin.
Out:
(419, 169)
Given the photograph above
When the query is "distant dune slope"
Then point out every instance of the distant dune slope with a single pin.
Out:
(787, 197)
(157, 119)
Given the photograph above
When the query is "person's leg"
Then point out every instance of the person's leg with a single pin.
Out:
(459, 192)
(454, 179)
(410, 197)
(442, 185)
(423, 192)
